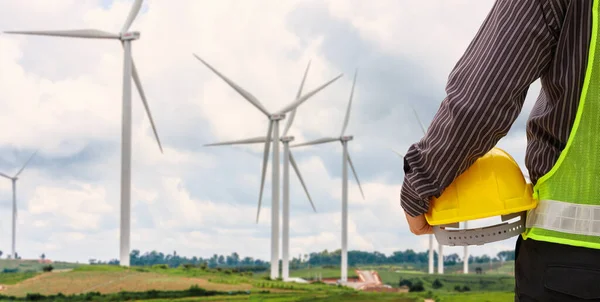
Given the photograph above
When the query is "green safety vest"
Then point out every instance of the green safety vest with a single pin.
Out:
(568, 211)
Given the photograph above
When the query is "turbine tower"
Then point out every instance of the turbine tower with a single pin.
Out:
(14, 203)
(440, 249)
(129, 71)
(271, 138)
(287, 159)
(431, 255)
(440, 258)
(344, 139)
(466, 256)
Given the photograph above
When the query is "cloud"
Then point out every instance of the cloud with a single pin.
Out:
(64, 96)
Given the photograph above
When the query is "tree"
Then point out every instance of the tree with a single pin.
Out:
(506, 255)
(437, 284)
(0, 253)
(451, 259)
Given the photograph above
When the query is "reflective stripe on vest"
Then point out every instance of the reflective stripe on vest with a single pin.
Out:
(565, 217)
(569, 195)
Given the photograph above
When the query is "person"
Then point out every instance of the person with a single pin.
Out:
(519, 42)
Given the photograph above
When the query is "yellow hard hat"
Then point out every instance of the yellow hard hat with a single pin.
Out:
(493, 186)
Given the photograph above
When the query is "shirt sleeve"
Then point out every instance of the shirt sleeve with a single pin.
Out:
(484, 95)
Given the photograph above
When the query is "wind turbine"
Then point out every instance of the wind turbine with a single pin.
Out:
(466, 251)
(14, 203)
(431, 266)
(129, 71)
(271, 138)
(344, 139)
(287, 159)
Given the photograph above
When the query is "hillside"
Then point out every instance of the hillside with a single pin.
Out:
(104, 279)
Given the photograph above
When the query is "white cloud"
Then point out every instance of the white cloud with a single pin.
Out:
(405, 28)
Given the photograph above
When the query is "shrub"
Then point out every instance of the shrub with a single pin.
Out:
(34, 297)
(437, 284)
(417, 287)
(10, 270)
(466, 288)
(405, 282)
(47, 268)
(160, 266)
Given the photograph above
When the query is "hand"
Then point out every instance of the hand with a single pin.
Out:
(418, 225)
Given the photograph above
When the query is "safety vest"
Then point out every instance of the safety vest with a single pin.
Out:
(568, 210)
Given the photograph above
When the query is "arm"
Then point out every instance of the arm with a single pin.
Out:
(485, 93)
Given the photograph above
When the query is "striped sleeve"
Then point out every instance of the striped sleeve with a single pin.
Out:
(484, 95)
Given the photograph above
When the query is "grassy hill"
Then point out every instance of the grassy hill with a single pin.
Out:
(494, 286)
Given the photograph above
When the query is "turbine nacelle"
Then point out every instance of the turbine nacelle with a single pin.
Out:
(277, 116)
(346, 138)
(130, 36)
(286, 139)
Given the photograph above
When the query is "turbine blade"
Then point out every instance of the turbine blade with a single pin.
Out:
(418, 119)
(264, 166)
(349, 104)
(252, 99)
(254, 140)
(401, 156)
(293, 113)
(77, 33)
(135, 9)
(138, 84)
(4, 175)
(317, 141)
(295, 166)
(305, 97)
(355, 176)
(26, 163)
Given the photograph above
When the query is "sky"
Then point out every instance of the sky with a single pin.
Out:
(63, 97)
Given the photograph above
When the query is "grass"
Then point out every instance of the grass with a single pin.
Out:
(306, 297)
(14, 278)
(491, 287)
(310, 273)
(110, 281)
(477, 297)
(477, 283)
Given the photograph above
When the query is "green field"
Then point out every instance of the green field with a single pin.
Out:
(493, 286)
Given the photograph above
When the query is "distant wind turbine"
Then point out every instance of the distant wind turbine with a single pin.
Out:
(129, 71)
(271, 138)
(287, 159)
(344, 139)
(14, 203)
(431, 255)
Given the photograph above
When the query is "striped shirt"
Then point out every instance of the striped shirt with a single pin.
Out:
(519, 42)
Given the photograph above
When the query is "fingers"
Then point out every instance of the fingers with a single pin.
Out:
(418, 225)
(424, 230)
